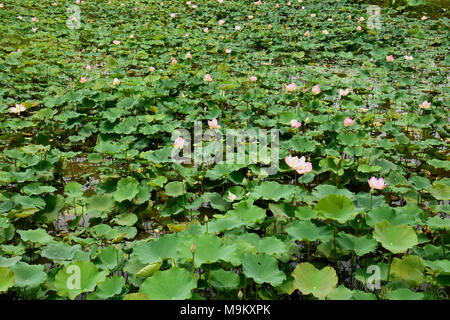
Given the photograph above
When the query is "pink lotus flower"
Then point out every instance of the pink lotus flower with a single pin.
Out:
(194, 6)
(19, 17)
(291, 87)
(34, 19)
(116, 42)
(220, 1)
(221, 21)
(270, 26)
(188, 55)
(116, 81)
(172, 15)
(358, 28)
(83, 79)
(34, 29)
(277, 5)
(174, 61)
(231, 196)
(425, 105)
(361, 19)
(258, 2)
(349, 16)
(206, 30)
(186, 35)
(289, 3)
(253, 78)
(325, 32)
(228, 50)
(1, 5)
(131, 36)
(329, 19)
(348, 122)
(424, 18)
(390, 58)
(409, 58)
(299, 165)
(213, 124)
(344, 92)
(88, 68)
(313, 15)
(250, 17)
(18, 108)
(135, 9)
(295, 124)
(179, 143)
(315, 90)
(207, 77)
(188, 3)
(237, 27)
(307, 33)
(152, 69)
(377, 184)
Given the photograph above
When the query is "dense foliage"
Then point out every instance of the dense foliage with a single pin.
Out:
(87, 180)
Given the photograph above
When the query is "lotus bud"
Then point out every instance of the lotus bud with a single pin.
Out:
(307, 120)
(240, 294)
(193, 248)
(206, 219)
(244, 182)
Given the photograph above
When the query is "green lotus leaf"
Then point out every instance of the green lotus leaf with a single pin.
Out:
(268, 245)
(8, 262)
(174, 189)
(305, 213)
(404, 294)
(78, 277)
(441, 266)
(148, 270)
(108, 288)
(359, 245)
(60, 251)
(100, 205)
(173, 284)
(320, 283)
(396, 239)
(262, 268)
(157, 250)
(387, 213)
(271, 190)
(108, 258)
(27, 275)
(36, 188)
(135, 296)
(127, 188)
(125, 219)
(37, 235)
(340, 293)
(7, 278)
(409, 268)
(74, 190)
(248, 212)
(336, 207)
(438, 223)
(227, 222)
(209, 248)
(222, 279)
(440, 189)
(306, 230)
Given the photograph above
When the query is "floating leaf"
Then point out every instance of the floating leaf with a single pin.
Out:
(173, 284)
(396, 239)
(308, 280)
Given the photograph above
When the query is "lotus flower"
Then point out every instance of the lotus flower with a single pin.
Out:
(237, 27)
(188, 3)
(377, 184)
(348, 122)
(116, 81)
(424, 18)
(221, 21)
(18, 108)
(425, 105)
(390, 58)
(325, 32)
(253, 78)
(358, 28)
(213, 124)
(152, 69)
(174, 61)
(231, 196)
(83, 79)
(194, 6)
(179, 143)
(258, 2)
(206, 30)
(131, 36)
(207, 77)
(299, 165)
(344, 92)
(313, 15)
(220, 1)
(19, 17)
(277, 5)
(289, 3)
(295, 124)
(88, 68)
(250, 17)
(228, 50)
(1, 5)
(116, 42)
(292, 162)
(316, 89)
(172, 15)
(188, 55)
(34, 29)
(361, 19)
(409, 58)
(307, 33)
(34, 19)
(291, 87)
(186, 35)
